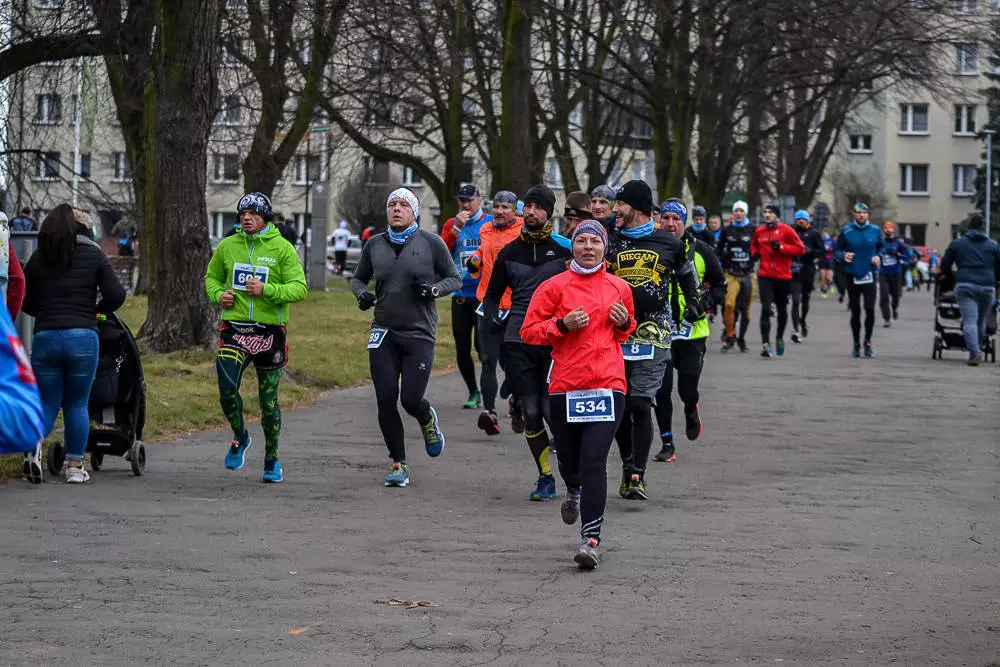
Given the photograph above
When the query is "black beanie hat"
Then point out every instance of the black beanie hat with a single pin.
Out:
(542, 196)
(774, 208)
(637, 195)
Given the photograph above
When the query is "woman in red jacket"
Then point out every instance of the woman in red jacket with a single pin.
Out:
(585, 314)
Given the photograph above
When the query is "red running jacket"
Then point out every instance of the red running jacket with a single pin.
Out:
(587, 358)
(776, 264)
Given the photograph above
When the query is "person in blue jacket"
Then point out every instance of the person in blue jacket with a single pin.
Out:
(890, 280)
(461, 235)
(22, 422)
(974, 261)
(858, 249)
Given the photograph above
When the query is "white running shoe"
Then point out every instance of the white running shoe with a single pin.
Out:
(76, 475)
(32, 467)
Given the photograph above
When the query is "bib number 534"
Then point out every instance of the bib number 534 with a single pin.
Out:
(595, 405)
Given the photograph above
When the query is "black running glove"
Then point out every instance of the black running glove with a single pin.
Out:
(366, 300)
(427, 291)
(692, 312)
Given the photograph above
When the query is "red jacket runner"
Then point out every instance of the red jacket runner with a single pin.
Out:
(776, 263)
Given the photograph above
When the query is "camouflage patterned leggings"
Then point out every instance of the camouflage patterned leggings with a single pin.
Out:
(230, 364)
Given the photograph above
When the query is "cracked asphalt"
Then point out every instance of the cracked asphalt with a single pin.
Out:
(836, 511)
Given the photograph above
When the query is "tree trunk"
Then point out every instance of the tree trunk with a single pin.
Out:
(180, 119)
(517, 149)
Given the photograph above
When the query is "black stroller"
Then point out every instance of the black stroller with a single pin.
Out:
(948, 322)
(117, 403)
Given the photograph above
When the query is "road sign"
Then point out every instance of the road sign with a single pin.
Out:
(319, 129)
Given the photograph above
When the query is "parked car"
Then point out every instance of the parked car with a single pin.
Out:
(353, 252)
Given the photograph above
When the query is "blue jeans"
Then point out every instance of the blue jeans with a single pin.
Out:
(65, 362)
(975, 302)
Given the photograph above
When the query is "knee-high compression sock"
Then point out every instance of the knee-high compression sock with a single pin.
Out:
(229, 366)
(538, 443)
(270, 411)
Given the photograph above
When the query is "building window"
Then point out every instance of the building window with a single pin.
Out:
(302, 223)
(227, 58)
(913, 179)
(48, 110)
(376, 171)
(913, 119)
(860, 143)
(411, 179)
(993, 6)
(47, 166)
(963, 179)
(965, 119)
(49, 4)
(965, 58)
(965, 6)
(304, 46)
(222, 223)
(307, 169)
(553, 174)
(85, 165)
(123, 171)
(231, 112)
(225, 167)
(639, 170)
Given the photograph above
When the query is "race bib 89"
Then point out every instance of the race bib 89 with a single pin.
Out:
(376, 337)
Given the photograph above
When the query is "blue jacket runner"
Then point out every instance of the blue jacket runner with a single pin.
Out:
(22, 423)
(865, 242)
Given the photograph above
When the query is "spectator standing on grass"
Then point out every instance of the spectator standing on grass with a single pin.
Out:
(974, 259)
(63, 278)
(341, 241)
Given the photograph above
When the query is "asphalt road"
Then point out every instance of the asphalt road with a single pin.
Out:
(836, 511)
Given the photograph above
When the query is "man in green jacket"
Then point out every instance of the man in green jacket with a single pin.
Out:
(254, 275)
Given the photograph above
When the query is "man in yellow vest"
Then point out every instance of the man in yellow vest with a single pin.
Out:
(689, 339)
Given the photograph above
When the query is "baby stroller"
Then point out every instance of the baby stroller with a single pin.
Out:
(948, 322)
(117, 402)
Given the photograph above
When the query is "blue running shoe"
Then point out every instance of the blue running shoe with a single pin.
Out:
(399, 475)
(856, 351)
(869, 352)
(545, 489)
(272, 471)
(779, 347)
(433, 437)
(236, 456)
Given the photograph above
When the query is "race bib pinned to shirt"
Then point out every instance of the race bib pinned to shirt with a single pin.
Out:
(376, 337)
(637, 351)
(244, 272)
(502, 314)
(593, 405)
(683, 332)
(866, 279)
(889, 260)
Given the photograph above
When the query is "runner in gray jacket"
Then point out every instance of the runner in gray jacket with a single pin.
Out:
(412, 268)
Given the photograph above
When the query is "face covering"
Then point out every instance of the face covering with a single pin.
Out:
(640, 231)
(399, 238)
(536, 236)
(576, 268)
(698, 227)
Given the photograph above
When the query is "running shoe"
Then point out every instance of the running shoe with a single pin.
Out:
(626, 481)
(869, 352)
(856, 351)
(272, 471)
(77, 474)
(765, 351)
(545, 489)
(474, 403)
(974, 360)
(743, 345)
(32, 467)
(236, 456)
(779, 347)
(399, 475)
(488, 422)
(666, 454)
(895, 314)
(728, 343)
(516, 415)
(570, 509)
(805, 330)
(433, 437)
(826, 295)
(795, 337)
(886, 324)
(692, 423)
(637, 488)
(587, 557)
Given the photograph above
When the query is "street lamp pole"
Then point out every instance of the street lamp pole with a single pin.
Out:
(989, 178)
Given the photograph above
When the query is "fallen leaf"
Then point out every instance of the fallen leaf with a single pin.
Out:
(292, 572)
(298, 631)
(407, 604)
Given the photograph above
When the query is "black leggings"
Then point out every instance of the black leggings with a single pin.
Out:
(490, 344)
(802, 287)
(840, 279)
(635, 433)
(463, 327)
(855, 293)
(583, 460)
(889, 290)
(776, 292)
(401, 369)
(688, 359)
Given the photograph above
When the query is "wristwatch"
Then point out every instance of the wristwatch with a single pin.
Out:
(435, 292)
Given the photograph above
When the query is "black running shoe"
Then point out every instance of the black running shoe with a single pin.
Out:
(666, 454)
(692, 423)
(743, 345)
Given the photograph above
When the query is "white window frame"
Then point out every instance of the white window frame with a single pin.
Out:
(860, 149)
(965, 6)
(963, 114)
(304, 47)
(906, 180)
(49, 4)
(909, 108)
(219, 168)
(553, 174)
(640, 169)
(411, 179)
(961, 185)
(230, 115)
(216, 224)
(41, 161)
(44, 105)
(227, 58)
(302, 165)
(90, 165)
(122, 171)
(967, 58)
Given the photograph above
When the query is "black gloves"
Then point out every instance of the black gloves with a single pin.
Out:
(776, 245)
(497, 324)
(693, 312)
(427, 291)
(366, 300)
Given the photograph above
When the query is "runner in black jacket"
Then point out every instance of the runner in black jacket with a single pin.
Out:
(524, 264)
(734, 253)
(804, 273)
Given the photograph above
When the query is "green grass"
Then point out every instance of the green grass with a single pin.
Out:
(326, 337)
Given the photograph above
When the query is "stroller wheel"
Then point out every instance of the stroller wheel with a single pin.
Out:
(96, 460)
(56, 457)
(137, 457)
